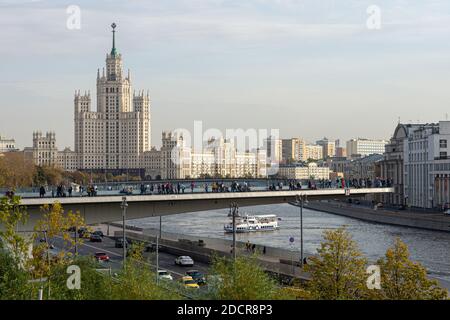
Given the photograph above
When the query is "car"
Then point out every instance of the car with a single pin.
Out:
(447, 211)
(101, 257)
(197, 276)
(164, 275)
(119, 243)
(184, 261)
(151, 247)
(98, 232)
(189, 283)
(95, 238)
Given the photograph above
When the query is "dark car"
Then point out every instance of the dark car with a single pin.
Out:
(119, 243)
(151, 247)
(197, 276)
(95, 238)
(98, 233)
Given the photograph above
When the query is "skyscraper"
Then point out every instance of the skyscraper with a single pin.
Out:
(115, 136)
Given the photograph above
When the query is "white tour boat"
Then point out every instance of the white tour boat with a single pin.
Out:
(248, 223)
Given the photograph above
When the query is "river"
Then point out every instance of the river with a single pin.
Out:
(431, 248)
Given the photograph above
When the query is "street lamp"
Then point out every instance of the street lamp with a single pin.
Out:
(234, 212)
(300, 201)
(124, 206)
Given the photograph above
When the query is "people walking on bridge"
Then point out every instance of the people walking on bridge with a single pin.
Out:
(42, 192)
(192, 187)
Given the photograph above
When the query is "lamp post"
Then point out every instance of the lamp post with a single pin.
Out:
(300, 200)
(234, 212)
(124, 206)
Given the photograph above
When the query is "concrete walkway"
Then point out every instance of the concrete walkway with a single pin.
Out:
(414, 219)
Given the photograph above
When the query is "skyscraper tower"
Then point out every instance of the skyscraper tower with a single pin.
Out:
(115, 135)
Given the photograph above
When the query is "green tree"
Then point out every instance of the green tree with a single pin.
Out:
(338, 269)
(244, 279)
(14, 283)
(403, 279)
(12, 215)
(55, 223)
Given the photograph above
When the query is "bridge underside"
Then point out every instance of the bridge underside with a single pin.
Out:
(108, 208)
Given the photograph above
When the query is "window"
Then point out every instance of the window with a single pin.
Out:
(443, 154)
(443, 143)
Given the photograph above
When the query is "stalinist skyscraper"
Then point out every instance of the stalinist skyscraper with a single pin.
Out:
(116, 135)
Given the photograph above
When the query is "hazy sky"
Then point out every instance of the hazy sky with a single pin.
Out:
(310, 68)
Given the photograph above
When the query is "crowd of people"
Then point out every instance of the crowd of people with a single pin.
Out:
(91, 190)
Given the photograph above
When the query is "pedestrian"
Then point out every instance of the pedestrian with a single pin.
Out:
(253, 248)
(264, 250)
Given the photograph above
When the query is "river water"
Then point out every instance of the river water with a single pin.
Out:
(431, 248)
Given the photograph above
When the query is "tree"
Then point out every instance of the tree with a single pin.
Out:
(338, 269)
(11, 216)
(14, 283)
(55, 223)
(15, 170)
(403, 279)
(244, 279)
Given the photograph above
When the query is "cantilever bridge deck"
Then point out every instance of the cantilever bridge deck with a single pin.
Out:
(107, 208)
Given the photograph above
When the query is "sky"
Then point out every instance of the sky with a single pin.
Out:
(310, 68)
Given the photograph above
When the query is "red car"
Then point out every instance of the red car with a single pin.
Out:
(101, 256)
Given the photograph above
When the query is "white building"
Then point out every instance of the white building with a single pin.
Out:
(115, 136)
(364, 147)
(314, 152)
(44, 151)
(218, 158)
(298, 172)
(427, 166)
(7, 144)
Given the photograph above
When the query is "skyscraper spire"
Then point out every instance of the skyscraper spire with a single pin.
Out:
(113, 50)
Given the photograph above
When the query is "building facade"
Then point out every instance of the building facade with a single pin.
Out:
(328, 147)
(218, 158)
(300, 172)
(392, 165)
(293, 150)
(313, 152)
(115, 136)
(364, 147)
(7, 144)
(427, 166)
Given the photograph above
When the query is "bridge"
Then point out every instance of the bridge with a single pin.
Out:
(102, 209)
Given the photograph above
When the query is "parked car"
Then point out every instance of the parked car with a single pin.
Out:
(197, 276)
(184, 261)
(189, 283)
(447, 211)
(101, 257)
(164, 275)
(95, 238)
(119, 243)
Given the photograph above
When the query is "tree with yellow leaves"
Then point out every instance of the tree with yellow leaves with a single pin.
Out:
(403, 279)
(338, 270)
(55, 224)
